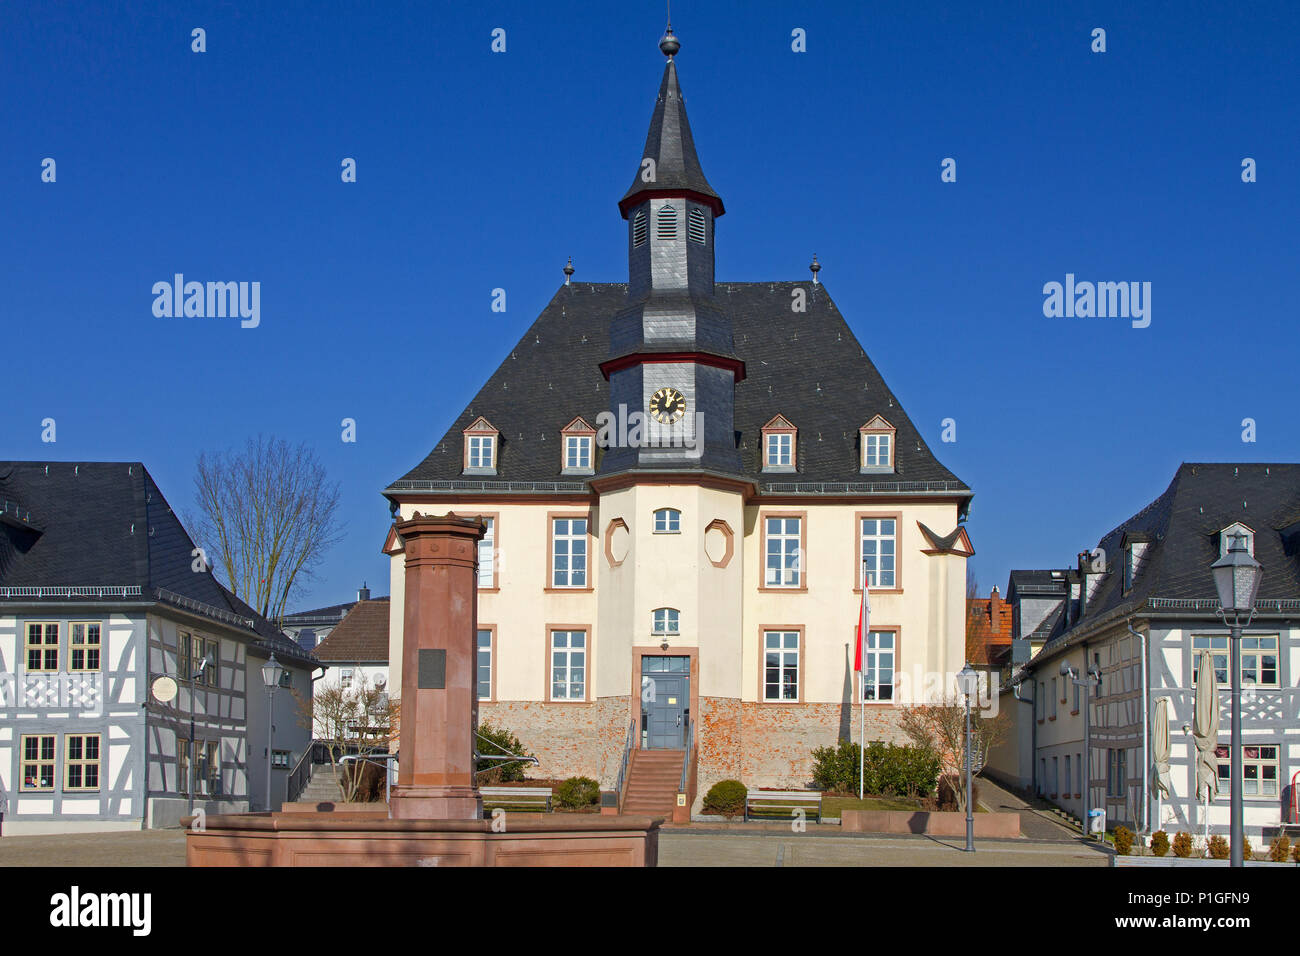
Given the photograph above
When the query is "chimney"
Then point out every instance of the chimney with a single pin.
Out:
(363, 592)
(995, 610)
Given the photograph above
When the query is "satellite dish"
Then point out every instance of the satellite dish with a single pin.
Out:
(164, 689)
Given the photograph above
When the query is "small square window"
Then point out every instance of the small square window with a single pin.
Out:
(668, 521)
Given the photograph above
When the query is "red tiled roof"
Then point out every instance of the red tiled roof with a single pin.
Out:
(986, 644)
(362, 636)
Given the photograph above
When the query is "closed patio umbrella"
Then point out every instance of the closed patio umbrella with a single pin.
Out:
(1205, 731)
(1160, 754)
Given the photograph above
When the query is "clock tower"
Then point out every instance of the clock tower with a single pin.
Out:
(672, 366)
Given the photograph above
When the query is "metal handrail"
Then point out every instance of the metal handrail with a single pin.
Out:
(690, 751)
(622, 767)
(293, 787)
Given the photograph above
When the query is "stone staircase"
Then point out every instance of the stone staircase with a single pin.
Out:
(652, 782)
(321, 788)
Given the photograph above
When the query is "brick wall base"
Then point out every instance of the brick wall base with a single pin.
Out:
(569, 740)
(771, 745)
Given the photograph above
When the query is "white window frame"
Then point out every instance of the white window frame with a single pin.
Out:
(1258, 765)
(875, 446)
(781, 659)
(1220, 648)
(574, 544)
(479, 664)
(880, 578)
(778, 450)
(487, 554)
(567, 654)
(665, 622)
(879, 655)
(481, 447)
(786, 547)
(578, 452)
(668, 521)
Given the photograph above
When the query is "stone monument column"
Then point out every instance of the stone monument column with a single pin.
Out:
(439, 704)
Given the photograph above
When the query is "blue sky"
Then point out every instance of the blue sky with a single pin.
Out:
(479, 170)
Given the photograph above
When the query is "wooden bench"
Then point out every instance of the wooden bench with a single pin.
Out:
(785, 801)
(537, 799)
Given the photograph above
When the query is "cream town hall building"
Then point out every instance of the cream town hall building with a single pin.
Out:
(683, 481)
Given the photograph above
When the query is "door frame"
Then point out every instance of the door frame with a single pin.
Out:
(654, 650)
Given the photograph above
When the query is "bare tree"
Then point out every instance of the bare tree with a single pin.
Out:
(267, 515)
(972, 583)
(941, 726)
(347, 720)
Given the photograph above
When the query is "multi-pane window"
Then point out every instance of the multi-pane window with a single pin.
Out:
(345, 678)
(568, 665)
(487, 566)
(783, 568)
(280, 759)
(483, 661)
(1053, 714)
(1116, 771)
(878, 666)
(666, 620)
(781, 665)
(779, 451)
(38, 762)
(877, 450)
(84, 647)
(668, 521)
(1259, 770)
(1259, 657)
(191, 650)
(577, 452)
(569, 553)
(1076, 698)
(1067, 775)
(482, 451)
(212, 768)
(81, 762)
(879, 550)
(43, 646)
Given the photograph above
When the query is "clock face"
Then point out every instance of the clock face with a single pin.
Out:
(667, 405)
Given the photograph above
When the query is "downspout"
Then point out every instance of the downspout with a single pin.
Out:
(1146, 733)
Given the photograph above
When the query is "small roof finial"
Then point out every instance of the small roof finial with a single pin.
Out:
(669, 44)
(815, 268)
(568, 271)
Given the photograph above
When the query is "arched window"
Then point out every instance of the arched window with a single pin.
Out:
(668, 521)
(666, 621)
(639, 228)
(695, 228)
(666, 223)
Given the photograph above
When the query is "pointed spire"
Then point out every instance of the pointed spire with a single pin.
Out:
(674, 167)
(568, 271)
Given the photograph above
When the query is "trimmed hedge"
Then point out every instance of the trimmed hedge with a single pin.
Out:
(890, 770)
(726, 798)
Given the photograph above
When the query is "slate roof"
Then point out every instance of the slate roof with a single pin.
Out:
(361, 637)
(108, 524)
(670, 144)
(1184, 524)
(813, 371)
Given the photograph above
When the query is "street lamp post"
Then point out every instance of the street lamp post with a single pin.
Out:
(968, 682)
(271, 672)
(1092, 679)
(1236, 577)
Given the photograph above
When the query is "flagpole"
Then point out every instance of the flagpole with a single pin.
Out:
(862, 690)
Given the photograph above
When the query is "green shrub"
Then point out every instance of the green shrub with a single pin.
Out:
(889, 770)
(1160, 843)
(1182, 844)
(1279, 848)
(1219, 848)
(577, 792)
(727, 798)
(1123, 841)
(498, 740)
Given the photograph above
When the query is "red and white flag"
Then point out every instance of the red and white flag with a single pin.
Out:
(864, 619)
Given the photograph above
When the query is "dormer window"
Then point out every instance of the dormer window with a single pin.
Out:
(1134, 544)
(695, 226)
(481, 448)
(668, 521)
(779, 445)
(666, 223)
(639, 228)
(578, 448)
(666, 621)
(877, 439)
(1236, 528)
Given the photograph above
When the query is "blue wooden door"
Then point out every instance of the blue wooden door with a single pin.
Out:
(665, 702)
